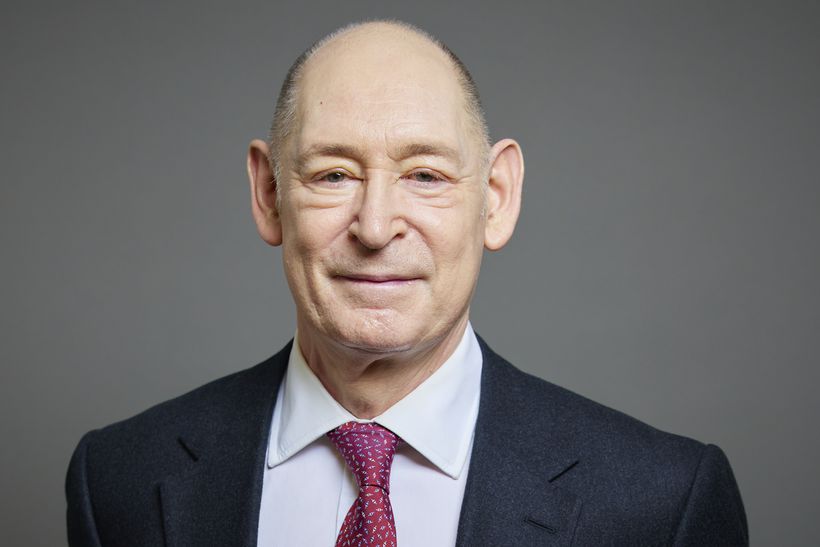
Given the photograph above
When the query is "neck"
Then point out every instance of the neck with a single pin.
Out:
(367, 384)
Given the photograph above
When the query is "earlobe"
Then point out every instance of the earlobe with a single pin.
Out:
(503, 203)
(263, 193)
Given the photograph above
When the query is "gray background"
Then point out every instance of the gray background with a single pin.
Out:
(666, 261)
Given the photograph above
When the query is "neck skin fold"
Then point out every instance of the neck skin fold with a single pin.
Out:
(366, 384)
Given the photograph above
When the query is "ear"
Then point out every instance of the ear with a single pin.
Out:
(503, 202)
(263, 193)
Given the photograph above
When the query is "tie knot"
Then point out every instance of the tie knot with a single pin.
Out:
(368, 450)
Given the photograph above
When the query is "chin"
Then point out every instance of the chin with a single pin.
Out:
(375, 348)
(376, 343)
(377, 335)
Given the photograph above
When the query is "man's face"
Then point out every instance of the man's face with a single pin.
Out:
(382, 196)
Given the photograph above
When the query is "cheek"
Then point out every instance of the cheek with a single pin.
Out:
(455, 238)
(311, 231)
(307, 240)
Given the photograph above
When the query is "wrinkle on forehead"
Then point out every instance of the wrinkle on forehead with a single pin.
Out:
(374, 125)
(382, 139)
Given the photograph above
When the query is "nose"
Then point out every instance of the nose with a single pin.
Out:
(378, 217)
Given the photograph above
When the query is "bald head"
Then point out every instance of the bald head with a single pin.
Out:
(360, 53)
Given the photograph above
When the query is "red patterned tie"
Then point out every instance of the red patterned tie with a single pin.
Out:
(368, 450)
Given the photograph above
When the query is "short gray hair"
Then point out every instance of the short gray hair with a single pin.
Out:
(285, 113)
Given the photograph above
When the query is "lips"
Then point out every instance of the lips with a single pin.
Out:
(379, 278)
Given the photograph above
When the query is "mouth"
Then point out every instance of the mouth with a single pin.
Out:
(378, 280)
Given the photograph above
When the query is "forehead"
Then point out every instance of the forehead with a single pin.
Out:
(380, 87)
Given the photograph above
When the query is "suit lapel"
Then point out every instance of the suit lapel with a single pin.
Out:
(512, 496)
(217, 501)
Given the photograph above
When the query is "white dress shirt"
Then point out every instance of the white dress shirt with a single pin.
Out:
(307, 487)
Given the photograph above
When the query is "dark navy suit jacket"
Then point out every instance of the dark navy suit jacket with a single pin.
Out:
(548, 467)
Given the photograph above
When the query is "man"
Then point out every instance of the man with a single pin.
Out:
(387, 421)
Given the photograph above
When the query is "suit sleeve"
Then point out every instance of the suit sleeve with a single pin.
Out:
(713, 514)
(82, 530)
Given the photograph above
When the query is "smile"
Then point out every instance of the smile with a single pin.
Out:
(386, 281)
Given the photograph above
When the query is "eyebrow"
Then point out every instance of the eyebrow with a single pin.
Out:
(403, 152)
(411, 150)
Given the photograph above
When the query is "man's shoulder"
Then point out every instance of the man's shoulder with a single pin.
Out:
(536, 408)
(636, 483)
(214, 407)
(120, 467)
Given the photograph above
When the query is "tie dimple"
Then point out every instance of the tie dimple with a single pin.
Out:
(368, 451)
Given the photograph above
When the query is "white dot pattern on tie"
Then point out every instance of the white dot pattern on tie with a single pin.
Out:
(368, 450)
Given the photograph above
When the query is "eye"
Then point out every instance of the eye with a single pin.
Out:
(426, 177)
(333, 177)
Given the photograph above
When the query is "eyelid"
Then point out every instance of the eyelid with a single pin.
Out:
(432, 172)
(322, 174)
(426, 170)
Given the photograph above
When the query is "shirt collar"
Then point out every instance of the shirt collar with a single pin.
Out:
(437, 418)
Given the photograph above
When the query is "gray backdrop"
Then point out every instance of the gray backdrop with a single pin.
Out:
(666, 261)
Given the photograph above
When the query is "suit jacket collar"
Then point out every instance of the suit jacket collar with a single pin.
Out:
(217, 501)
(513, 440)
